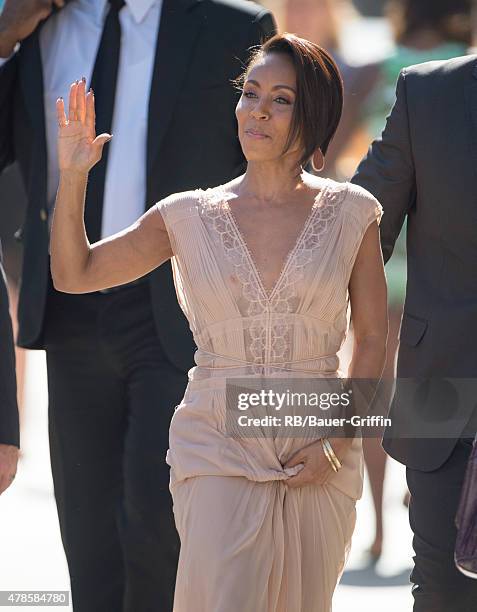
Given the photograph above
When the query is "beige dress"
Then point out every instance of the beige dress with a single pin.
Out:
(249, 543)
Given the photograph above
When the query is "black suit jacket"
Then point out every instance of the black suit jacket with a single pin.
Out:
(424, 168)
(191, 139)
(9, 430)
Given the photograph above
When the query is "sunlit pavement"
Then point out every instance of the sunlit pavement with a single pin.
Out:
(31, 554)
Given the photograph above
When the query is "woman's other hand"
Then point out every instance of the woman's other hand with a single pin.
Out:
(317, 469)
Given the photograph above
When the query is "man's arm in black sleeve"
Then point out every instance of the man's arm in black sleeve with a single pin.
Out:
(388, 170)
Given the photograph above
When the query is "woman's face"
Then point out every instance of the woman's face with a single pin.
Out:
(265, 109)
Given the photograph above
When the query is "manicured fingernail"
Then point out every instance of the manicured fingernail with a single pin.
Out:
(60, 98)
(91, 90)
(83, 79)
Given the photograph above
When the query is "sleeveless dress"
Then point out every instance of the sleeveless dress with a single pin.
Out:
(249, 543)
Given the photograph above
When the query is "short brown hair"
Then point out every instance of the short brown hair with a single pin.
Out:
(319, 98)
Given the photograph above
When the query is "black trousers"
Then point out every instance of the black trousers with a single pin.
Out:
(438, 585)
(112, 392)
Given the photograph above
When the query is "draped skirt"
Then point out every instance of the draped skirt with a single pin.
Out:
(250, 546)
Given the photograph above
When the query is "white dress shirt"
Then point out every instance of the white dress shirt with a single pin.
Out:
(69, 42)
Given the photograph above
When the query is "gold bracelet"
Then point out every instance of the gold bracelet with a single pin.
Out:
(333, 456)
(335, 459)
(327, 455)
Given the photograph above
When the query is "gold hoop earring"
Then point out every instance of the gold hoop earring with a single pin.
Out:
(314, 159)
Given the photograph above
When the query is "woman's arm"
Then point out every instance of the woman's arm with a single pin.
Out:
(369, 315)
(77, 266)
(368, 297)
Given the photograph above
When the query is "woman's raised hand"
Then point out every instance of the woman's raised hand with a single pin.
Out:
(79, 149)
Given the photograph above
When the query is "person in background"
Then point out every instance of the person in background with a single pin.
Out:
(423, 31)
(117, 360)
(9, 428)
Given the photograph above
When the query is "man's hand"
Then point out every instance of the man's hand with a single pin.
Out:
(8, 465)
(20, 18)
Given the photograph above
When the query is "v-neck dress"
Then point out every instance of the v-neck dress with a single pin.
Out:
(249, 543)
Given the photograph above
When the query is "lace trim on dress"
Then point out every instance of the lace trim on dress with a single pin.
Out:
(269, 338)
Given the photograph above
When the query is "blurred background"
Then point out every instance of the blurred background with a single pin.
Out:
(372, 40)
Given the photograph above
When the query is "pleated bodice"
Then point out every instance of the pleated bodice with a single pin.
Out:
(242, 330)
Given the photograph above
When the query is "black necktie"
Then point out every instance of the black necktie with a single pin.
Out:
(103, 82)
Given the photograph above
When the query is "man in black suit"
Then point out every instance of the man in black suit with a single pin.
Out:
(9, 428)
(118, 360)
(424, 168)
